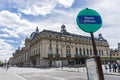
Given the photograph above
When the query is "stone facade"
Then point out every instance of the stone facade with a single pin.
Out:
(45, 48)
(115, 54)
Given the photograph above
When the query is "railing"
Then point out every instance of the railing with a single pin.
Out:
(68, 55)
(50, 55)
(57, 55)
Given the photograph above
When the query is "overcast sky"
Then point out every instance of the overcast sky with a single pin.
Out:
(19, 18)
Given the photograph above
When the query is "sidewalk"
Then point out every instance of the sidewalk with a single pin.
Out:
(13, 72)
(72, 69)
(83, 70)
(5, 75)
(107, 72)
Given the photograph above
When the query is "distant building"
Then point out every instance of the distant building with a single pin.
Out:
(115, 53)
(45, 48)
(10, 62)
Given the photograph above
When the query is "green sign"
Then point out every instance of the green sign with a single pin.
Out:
(89, 20)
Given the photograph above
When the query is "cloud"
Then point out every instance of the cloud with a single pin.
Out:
(110, 13)
(10, 33)
(10, 41)
(35, 7)
(4, 35)
(45, 7)
(40, 8)
(66, 3)
(5, 50)
(109, 10)
(14, 25)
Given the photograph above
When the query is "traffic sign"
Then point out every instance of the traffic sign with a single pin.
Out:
(89, 20)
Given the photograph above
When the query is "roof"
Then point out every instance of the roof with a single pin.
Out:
(63, 32)
(71, 34)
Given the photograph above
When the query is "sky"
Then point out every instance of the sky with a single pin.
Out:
(19, 18)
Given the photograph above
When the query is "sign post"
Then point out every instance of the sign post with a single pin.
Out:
(90, 21)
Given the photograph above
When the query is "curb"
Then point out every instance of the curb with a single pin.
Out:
(116, 74)
(70, 71)
(112, 74)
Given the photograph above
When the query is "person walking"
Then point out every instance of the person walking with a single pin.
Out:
(118, 64)
(7, 67)
(105, 67)
(109, 65)
(114, 66)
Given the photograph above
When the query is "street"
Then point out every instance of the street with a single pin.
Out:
(15, 73)
(56, 75)
(62, 75)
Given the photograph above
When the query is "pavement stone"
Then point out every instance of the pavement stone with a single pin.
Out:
(13, 72)
(6, 75)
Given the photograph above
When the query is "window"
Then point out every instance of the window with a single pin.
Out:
(80, 50)
(83, 51)
(50, 50)
(90, 51)
(76, 50)
(102, 52)
(68, 50)
(99, 52)
(87, 52)
(57, 50)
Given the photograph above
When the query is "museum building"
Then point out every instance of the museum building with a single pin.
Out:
(47, 48)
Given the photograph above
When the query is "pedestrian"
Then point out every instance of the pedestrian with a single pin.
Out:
(118, 64)
(114, 66)
(109, 65)
(7, 67)
(105, 67)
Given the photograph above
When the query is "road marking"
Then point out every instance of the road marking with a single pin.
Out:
(21, 77)
(57, 78)
(46, 76)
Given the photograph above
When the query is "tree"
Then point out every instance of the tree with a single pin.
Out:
(1, 62)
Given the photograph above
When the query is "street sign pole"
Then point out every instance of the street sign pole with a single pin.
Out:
(94, 45)
(90, 21)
